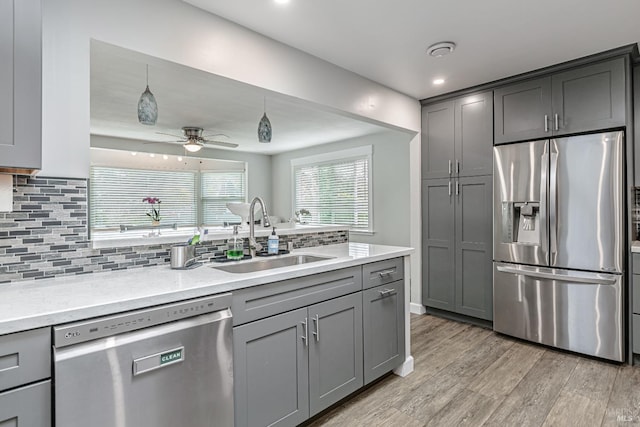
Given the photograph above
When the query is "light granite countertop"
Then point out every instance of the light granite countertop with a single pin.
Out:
(34, 304)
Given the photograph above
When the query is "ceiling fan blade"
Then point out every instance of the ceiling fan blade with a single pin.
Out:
(170, 134)
(213, 135)
(220, 144)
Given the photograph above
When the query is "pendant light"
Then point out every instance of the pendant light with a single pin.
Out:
(264, 127)
(147, 106)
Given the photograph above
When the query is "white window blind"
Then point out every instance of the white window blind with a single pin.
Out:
(219, 188)
(336, 189)
(116, 196)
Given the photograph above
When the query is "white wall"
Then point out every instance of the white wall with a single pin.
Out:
(390, 184)
(178, 32)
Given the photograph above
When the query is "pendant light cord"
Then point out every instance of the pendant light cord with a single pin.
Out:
(147, 75)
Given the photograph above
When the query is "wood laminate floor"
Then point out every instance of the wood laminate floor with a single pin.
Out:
(469, 376)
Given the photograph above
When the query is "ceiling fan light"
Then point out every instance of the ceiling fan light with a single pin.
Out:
(264, 129)
(192, 146)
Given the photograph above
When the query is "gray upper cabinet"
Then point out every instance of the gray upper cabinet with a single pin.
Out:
(20, 85)
(270, 369)
(335, 351)
(589, 98)
(473, 270)
(523, 111)
(457, 137)
(473, 123)
(636, 127)
(581, 99)
(437, 140)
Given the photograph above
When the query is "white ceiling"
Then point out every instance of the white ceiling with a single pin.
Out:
(385, 40)
(189, 97)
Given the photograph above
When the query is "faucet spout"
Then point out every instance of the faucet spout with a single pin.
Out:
(253, 245)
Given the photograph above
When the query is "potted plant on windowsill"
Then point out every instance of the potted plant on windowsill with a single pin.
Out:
(154, 213)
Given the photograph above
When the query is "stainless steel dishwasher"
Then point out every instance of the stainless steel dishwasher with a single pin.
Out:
(165, 366)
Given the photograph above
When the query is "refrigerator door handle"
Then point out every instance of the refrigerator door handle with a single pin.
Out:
(597, 279)
(553, 203)
(544, 223)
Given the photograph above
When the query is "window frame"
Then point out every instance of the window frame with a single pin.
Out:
(357, 153)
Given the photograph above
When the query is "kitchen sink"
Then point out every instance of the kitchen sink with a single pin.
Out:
(270, 263)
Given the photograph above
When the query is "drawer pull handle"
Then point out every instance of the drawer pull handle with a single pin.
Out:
(387, 272)
(387, 292)
(304, 335)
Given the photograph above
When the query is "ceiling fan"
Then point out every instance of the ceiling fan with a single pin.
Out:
(193, 140)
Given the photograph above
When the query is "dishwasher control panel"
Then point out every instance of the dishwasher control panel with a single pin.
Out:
(88, 330)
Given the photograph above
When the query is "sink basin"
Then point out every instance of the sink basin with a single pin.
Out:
(269, 263)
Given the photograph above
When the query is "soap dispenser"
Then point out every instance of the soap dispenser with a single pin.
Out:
(273, 243)
(235, 245)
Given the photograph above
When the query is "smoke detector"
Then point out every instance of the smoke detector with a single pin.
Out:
(441, 49)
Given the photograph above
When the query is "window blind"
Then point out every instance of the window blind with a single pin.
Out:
(116, 196)
(335, 192)
(217, 189)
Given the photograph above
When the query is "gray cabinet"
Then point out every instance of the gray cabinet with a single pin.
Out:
(291, 366)
(26, 406)
(457, 244)
(383, 320)
(335, 351)
(636, 127)
(457, 137)
(20, 85)
(271, 371)
(577, 100)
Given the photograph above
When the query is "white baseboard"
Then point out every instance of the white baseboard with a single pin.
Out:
(405, 369)
(417, 308)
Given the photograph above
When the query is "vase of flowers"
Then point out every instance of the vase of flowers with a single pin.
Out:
(154, 212)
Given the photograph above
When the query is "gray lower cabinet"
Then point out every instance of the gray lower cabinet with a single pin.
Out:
(383, 322)
(291, 366)
(270, 371)
(581, 99)
(457, 245)
(26, 406)
(20, 85)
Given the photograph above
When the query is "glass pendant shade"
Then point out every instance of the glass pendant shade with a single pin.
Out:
(264, 129)
(192, 146)
(147, 106)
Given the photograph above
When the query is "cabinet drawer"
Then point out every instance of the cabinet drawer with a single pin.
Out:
(25, 357)
(636, 263)
(636, 333)
(27, 406)
(381, 272)
(259, 302)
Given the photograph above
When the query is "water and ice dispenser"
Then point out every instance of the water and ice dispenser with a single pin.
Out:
(521, 222)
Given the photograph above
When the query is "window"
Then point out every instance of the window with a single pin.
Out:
(335, 188)
(189, 197)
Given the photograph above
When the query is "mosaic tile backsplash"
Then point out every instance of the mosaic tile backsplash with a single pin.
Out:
(46, 235)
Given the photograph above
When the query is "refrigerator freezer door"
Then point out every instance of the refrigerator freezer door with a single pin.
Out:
(573, 310)
(520, 211)
(587, 222)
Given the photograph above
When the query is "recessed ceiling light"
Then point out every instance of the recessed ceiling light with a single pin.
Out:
(133, 153)
(281, 1)
(152, 155)
(438, 81)
(164, 156)
(179, 159)
(441, 49)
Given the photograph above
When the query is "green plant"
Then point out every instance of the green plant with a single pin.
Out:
(154, 214)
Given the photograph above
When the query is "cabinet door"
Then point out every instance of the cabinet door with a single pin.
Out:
(20, 83)
(438, 243)
(473, 278)
(589, 98)
(437, 140)
(26, 406)
(523, 111)
(270, 365)
(383, 318)
(335, 350)
(636, 126)
(474, 134)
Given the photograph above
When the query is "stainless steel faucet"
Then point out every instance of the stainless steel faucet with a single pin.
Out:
(253, 245)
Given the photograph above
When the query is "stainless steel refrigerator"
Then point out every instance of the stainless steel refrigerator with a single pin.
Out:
(559, 242)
